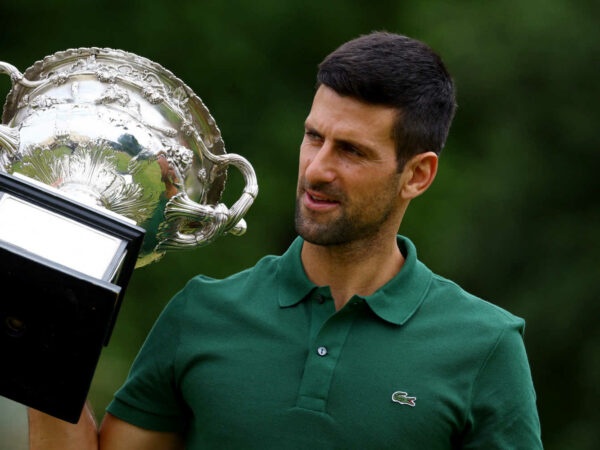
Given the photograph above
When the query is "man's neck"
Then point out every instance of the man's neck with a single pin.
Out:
(358, 268)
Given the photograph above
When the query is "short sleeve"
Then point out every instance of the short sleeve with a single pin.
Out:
(503, 412)
(150, 397)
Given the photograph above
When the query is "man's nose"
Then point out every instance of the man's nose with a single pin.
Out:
(322, 165)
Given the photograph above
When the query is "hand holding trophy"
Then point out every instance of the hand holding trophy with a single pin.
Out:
(107, 161)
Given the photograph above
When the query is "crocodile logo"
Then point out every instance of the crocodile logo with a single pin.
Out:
(403, 398)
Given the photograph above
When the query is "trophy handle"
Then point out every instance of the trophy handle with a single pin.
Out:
(9, 141)
(9, 137)
(17, 77)
(213, 221)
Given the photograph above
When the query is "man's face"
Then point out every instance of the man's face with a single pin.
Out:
(347, 183)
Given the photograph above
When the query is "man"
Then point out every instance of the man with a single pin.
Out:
(347, 340)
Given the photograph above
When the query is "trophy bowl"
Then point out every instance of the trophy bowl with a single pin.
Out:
(120, 133)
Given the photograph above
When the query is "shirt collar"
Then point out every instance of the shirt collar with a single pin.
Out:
(400, 298)
(395, 302)
(294, 285)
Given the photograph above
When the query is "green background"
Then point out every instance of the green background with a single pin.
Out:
(513, 216)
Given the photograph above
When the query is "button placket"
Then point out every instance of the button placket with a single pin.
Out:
(329, 330)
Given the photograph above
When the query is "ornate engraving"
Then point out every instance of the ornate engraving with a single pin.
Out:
(114, 94)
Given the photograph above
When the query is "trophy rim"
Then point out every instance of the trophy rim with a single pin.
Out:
(201, 116)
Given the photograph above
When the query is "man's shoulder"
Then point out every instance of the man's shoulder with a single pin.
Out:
(260, 275)
(458, 303)
(262, 270)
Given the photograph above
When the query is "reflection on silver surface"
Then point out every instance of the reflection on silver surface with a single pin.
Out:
(117, 131)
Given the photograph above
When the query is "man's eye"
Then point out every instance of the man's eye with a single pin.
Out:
(311, 135)
(351, 149)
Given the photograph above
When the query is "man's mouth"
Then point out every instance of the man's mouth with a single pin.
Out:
(318, 200)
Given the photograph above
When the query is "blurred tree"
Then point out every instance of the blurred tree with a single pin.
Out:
(514, 212)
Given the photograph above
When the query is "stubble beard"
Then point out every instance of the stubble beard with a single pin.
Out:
(344, 229)
(331, 233)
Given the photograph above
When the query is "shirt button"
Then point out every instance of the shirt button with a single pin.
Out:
(322, 351)
(320, 299)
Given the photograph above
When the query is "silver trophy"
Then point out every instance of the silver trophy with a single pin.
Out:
(107, 161)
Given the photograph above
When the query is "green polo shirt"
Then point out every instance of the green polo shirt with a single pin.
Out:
(261, 360)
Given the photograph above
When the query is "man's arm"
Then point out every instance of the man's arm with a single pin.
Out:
(116, 434)
(503, 400)
(49, 433)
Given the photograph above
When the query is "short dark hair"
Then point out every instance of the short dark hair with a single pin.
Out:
(394, 70)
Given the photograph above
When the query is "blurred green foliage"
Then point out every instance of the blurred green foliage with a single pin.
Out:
(513, 216)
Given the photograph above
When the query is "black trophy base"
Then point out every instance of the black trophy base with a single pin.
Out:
(53, 326)
(55, 320)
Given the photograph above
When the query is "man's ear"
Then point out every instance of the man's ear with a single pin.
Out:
(418, 174)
